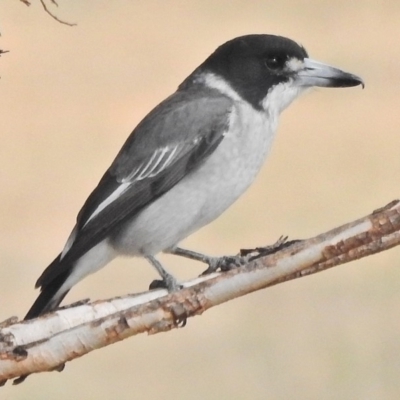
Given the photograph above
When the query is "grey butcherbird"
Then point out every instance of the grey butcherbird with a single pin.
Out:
(188, 160)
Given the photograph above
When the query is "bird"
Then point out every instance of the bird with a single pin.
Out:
(188, 160)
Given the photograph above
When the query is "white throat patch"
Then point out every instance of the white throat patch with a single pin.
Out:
(280, 96)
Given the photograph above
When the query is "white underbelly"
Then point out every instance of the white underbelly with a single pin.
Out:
(207, 192)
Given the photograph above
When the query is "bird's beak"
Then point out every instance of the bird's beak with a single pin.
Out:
(315, 73)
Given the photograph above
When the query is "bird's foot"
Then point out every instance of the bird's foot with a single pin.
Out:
(170, 284)
(167, 282)
(224, 263)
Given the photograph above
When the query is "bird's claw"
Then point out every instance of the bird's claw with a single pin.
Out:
(180, 315)
(178, 311)
(169, 283)
(226, 263)
(223, 264)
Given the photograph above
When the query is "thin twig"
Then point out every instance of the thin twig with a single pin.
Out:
(54, 16)
(28, 3)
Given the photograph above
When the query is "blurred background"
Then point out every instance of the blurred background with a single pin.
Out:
(70, 96)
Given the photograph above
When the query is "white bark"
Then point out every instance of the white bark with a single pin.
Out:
(46, 343)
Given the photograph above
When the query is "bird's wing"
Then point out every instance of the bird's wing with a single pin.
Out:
(172, 141)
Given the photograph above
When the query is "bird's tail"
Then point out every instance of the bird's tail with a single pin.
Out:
(64, 272)
(50, 296)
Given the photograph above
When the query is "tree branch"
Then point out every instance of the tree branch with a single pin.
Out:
(46, 343)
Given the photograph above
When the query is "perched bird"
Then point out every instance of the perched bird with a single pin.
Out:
(188, 160)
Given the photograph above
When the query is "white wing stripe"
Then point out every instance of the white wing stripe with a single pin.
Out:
(132, 175)
(155, 165)
(151, 165)
(163, 152)
(159, 164)
(148, 165)
(166, 162)
(69, 243)
(112, 197)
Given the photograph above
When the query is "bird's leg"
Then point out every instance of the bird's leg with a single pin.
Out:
(168, 281)
(223, 263)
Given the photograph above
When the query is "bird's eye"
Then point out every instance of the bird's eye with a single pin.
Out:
(274, 62)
